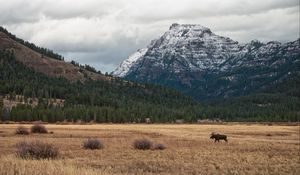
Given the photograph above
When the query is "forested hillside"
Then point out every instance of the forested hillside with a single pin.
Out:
(87, 95)
(114, 101)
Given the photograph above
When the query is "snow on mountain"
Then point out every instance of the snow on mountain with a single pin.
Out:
(186, 41)
(192, 58)
(125, 66)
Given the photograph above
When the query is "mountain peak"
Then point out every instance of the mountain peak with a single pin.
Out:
(192, 27)
(174, 25)
(180, 41)
(194, 60)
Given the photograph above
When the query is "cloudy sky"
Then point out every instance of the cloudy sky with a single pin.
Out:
(102, 33)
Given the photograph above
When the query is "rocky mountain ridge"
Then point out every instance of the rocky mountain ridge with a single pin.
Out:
(200, 63)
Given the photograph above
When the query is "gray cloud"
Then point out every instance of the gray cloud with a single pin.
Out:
(104, 32)
(196, 9)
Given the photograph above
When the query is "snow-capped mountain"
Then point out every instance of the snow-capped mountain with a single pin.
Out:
(193, 59)
(123, 69)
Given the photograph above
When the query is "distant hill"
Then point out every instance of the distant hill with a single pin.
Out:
(278, 103)
(43, 60)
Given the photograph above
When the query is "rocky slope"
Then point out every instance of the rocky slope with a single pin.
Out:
(194, 60)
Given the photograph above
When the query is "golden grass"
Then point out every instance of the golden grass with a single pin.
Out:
(252, 149)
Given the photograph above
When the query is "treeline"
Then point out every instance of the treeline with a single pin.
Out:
(243, 110)
(256, 107)
(1, 107)
(100, 114)
(41, 50)
(120, 101)
(86, 67)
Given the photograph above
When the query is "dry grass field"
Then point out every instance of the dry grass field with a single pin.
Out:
(252, 149)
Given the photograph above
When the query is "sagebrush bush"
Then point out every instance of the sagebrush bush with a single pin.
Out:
(36, 150)
(39, 128)
(143, 144)
(160, 146)
(93, 144)
(22, 130)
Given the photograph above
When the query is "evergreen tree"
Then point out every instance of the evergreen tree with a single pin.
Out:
(1, 108)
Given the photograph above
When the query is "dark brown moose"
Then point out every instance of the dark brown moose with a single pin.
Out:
(218, 137)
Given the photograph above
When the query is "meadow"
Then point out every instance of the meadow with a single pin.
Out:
(251, 149)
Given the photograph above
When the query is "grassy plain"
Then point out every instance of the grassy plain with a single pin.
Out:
(252, 149)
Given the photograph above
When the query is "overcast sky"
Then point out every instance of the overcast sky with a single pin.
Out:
(102, 33)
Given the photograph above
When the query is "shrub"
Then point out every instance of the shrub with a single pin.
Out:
(143, 144)
(36, 150)
(39, 128)
(160, 146)
(92, 144)
(22, 130)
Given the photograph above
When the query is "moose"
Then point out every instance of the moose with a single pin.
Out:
(218, 137)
